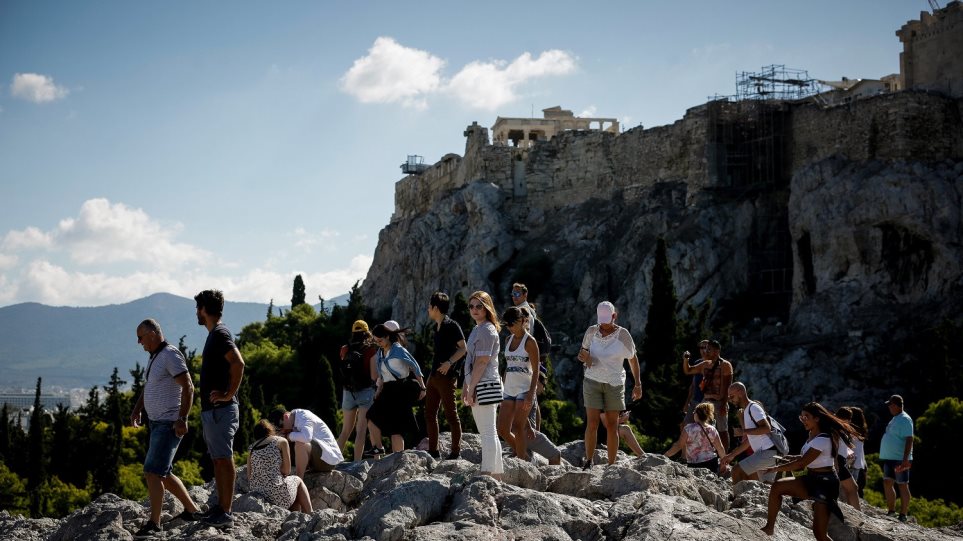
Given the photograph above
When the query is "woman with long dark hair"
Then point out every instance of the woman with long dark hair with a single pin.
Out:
(392, 413)
(521, 367)
(269, 471)
(483, 388)
(818, 455)
(857, 419)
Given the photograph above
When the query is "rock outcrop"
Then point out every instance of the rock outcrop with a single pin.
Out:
(412, 496)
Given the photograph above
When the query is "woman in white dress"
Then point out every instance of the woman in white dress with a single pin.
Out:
(269, 471)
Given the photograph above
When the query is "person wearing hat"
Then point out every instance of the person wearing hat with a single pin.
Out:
(896, 453)
(605, 347)
(358, 388)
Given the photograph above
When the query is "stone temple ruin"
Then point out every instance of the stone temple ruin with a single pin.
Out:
(524, 132)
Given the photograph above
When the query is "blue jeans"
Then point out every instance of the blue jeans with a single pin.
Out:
(162, 447)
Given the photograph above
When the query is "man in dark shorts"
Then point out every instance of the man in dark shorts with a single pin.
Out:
(450, 349)
(167, 397)
(896, 453)
(221, 372)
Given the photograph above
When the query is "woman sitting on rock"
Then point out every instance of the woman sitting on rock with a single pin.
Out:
(701, 440)
(269, 471)
(604, 349)
(521, 359)
(482, 390)
(400, 385)
(820, 484)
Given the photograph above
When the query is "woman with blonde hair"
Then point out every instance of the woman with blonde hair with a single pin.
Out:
(482, 390)
(269, 471)
(701, 440)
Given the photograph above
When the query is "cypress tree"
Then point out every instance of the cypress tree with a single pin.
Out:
(297, 297)
(663, 391)
(37, 471)
(108, 479)
(62, 451)
(5, 434)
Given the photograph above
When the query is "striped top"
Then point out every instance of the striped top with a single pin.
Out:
(162, 395)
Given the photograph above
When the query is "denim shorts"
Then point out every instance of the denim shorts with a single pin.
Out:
(219, 425)
(357, 399)
(160, 451)
(889, 472)
(520, 398)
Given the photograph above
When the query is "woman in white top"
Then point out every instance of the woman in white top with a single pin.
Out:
(483, 388)
(605, 347)
(521, 365)
(820, 483)
(397, 391)
(847, 460)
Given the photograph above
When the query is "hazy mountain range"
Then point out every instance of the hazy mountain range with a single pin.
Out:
(75, 347)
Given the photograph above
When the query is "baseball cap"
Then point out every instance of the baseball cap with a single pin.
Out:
(895, 399)
(359, 326)
(605, 311)
(392, 325)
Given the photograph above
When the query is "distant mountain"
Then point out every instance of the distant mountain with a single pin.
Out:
(79, 347)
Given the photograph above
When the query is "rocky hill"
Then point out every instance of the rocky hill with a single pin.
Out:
(411, 496)
(830, 239)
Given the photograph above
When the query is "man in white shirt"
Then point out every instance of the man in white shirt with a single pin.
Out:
(756, 429)
(314, 443)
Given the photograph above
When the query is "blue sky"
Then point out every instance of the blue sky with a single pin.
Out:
(178, 146)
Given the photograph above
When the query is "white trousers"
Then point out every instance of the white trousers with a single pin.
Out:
(491, 446)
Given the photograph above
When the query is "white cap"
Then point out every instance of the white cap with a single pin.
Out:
(605, 312)
(392, 325)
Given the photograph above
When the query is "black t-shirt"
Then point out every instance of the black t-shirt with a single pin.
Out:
(215, 370)
(446, 341)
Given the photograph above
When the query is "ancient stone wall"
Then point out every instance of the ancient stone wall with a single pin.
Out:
(930, 59)
(901, 126)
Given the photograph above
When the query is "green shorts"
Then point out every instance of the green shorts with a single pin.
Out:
(602, 396)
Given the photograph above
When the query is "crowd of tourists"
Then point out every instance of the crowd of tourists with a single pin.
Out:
(382, 383)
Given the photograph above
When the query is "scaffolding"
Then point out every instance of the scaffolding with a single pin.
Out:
(775, 82)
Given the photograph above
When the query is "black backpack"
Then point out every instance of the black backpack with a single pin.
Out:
(542, 337)
(355, 375)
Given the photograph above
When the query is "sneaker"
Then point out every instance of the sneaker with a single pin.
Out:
(586, 463)
(453, 455)
(891, 513)
(212, 510)
(434, 454)
(375, 453)
(187, 516)
(902, 517)
(220, 520)
(148, 530)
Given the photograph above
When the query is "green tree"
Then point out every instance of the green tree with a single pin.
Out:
(270, 310)
(4, 433)
(937, 430)
(661, 383)
(62, 446)
(297, 296)
(108, 474)
(137, 382)
(13, 493)
(38, 470)
(62, 498)
(459, 313)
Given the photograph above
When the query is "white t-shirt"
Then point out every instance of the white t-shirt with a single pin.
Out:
(824, 444)
(842, 450)
(309, 427)
(860, 462)
(608, 354)
(758, 442)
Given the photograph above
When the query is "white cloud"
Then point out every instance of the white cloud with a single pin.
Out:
(306, 241)
(8, 261)
(29, 238)
(36, 88)
(393, 73)
(105, 232)
(588, 111)
(48, 283)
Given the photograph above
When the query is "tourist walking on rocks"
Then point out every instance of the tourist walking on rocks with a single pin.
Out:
(269, 471)
(222, 368)
(820, 482)
(314, 443)
(357, 395)
(482, 390)
(896, 452)
(520, 299)
(450, 349)
(695, 395)
(521, 365)
(400, 385)
(716, 378)
(857, 419)
(755, 432)
(167, 397)
(605, 346)
(845, 454)
(701, 441)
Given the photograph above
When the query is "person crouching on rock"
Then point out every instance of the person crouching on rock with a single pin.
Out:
(269, 471)
(604, 348)
(314, 443)
(482, 390)
(397, 391)
(521, 358)
(820, 483)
